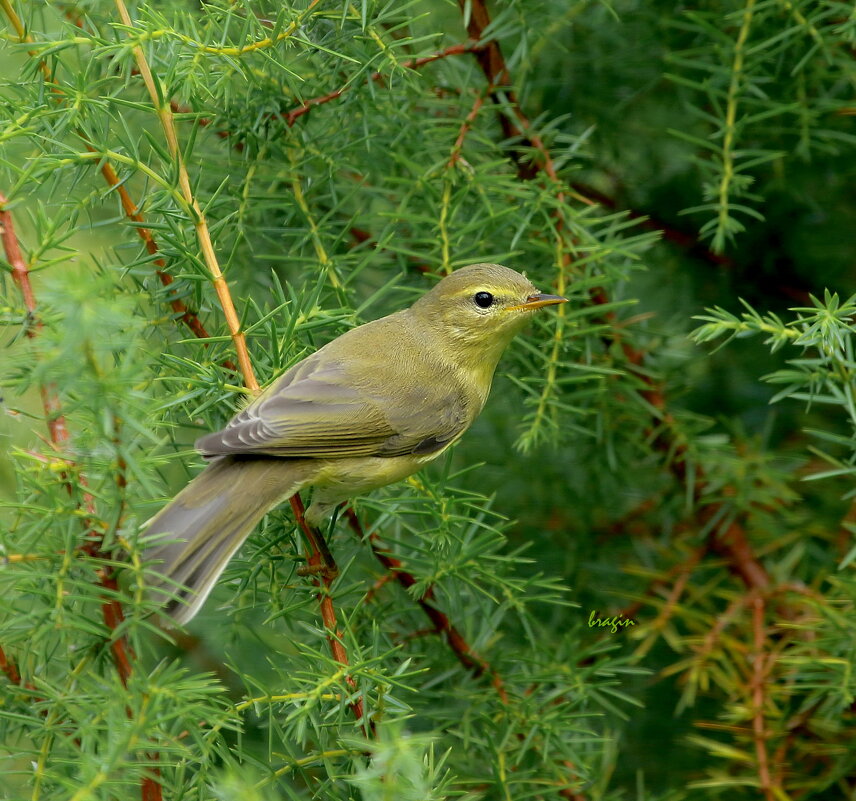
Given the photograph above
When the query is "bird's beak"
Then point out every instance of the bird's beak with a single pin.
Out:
(537, 302)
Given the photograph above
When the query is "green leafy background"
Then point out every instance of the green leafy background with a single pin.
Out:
(675, 445)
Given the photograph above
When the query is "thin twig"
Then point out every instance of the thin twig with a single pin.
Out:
(296, 113)
(21, 276)
(496, 73)
(684, 572)
(321, 561)
(723, 620)
(9, 667)
(132, 212)
(165, 116)
(466, 125)
(440, 620)
(189, 318)
(757, 683)
(734, 545)
(111, 608)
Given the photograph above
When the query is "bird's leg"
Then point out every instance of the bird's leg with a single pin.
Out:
(327, 567)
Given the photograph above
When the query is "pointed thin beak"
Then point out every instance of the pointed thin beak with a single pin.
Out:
(538, 301)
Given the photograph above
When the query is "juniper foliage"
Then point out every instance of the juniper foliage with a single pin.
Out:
(340, 157)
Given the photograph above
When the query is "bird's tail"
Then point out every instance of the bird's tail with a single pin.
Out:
(209, 520)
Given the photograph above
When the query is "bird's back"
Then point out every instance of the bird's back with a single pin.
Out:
(381, 389)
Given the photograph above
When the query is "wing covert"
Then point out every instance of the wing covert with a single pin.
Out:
(339, 403)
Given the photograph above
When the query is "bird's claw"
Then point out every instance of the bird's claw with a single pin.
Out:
(325, 571)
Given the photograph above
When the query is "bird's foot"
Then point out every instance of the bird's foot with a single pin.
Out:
(325, 571)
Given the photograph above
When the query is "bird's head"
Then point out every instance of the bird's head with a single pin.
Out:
(478, 309)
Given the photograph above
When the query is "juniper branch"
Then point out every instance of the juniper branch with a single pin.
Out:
(131, 210)
(165, 116)
(111, 607)
(164, 112)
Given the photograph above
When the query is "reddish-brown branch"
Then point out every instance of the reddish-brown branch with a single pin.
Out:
(381, 582)
(315, 539)
(21, 276)
(683, 570)
(9, 668)
(734, 546)
(150, 788)
(111, 608)
(567, 793)
(723, 620)
(465, 128)
(797, 725)
(320, 562)
(452, 50)
(439, 620)
(20, 271)
(496, 73)
(757, 683)
(132, 212)
(295, 114)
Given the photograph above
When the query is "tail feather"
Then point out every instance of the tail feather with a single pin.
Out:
(209, 520)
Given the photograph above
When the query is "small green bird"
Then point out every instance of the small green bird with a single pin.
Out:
(367, 409)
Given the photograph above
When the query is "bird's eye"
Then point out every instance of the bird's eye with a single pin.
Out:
(484, 300)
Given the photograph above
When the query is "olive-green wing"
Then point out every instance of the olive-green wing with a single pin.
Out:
(316, 411)
(309, 412)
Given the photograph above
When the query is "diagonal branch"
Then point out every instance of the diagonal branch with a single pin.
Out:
(757, 686)
(440, 620)
(21, 276)
(132, 212)
(296, 113)
(9, 668)
(165, 115)
(496, 73)
(321, 562)
(123, 654)
(733, 543)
